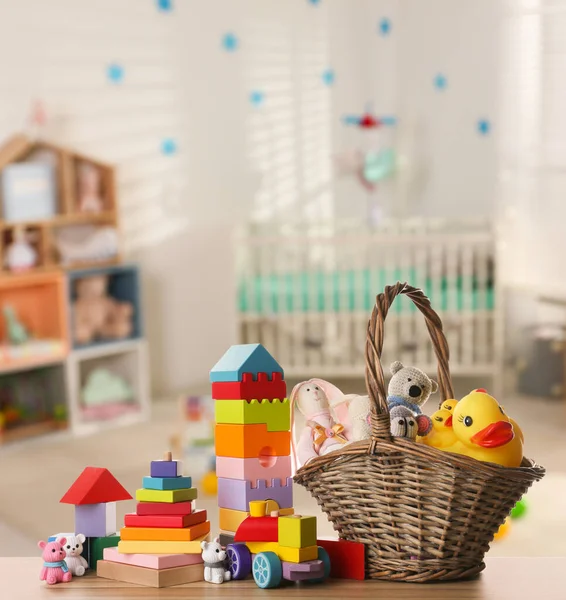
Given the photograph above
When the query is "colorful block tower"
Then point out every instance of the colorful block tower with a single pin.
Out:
(252, 435)
(163, 535)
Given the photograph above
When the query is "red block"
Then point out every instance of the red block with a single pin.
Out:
(258, 529)
(164, 508)
(160, 521)
(347, 559)
(248, 389)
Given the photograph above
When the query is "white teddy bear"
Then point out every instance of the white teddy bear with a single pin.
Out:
(214, 562)
(74, 547)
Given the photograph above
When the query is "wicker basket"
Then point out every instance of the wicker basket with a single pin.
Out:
(424, 514)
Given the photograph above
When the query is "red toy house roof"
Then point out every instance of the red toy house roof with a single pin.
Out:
(93, 486)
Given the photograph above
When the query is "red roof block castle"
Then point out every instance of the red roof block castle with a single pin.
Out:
(252, 435)
(160, 543)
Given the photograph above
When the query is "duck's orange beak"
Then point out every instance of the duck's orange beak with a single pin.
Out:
(494, 435)
(448, 422)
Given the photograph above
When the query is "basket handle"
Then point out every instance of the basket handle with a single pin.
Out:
(375, 382)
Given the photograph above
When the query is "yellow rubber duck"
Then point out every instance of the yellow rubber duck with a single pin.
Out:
(449, 404)
(441, 435)
(517, 430)
(485, 431)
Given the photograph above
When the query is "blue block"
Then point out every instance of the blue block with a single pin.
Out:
(166, 483)
(244, 358)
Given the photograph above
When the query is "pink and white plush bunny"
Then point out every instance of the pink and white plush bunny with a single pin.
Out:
(321, 433)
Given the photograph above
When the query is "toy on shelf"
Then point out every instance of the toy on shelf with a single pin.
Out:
(86, 244)
(485, 432)
(76, 563)
(98, 316)
(28, 192)
(252, 435)
(89, 188)
(54, 568)
(411, 387)
(214, 558)
(16, 330)
(103, 389)
(20, 254)
(283, 547)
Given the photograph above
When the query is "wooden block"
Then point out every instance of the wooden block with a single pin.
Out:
(167, 483)
(164, 508)
(97, 546)
(237, 494)
(148, 547)
(296, 531)
(133, 520)
(166, 468)
(230, 519)
(250, 389)
(258, 529)
(285, 512)
(166, 534)
(251, 441)
(244, 358)
(252, 469)
(276, 414)
(293, 555)
(166, 496)
(152, 561)
(347, 559)
(157, 578)
(225, 538)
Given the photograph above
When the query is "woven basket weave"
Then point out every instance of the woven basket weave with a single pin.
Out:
(424, 514)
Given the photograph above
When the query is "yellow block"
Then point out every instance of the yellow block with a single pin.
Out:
(165, 534)
(230, 519)
(292, 555)
(144, 547)
(276, 414)
(297, 532)
(169, 496)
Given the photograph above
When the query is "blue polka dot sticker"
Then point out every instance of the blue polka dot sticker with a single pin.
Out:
(165, 5)
(385, 26)
(115, 73)
(257, 98)
(328, 77)
(168, 146)
(230, 42)
(314, 2)
(440, 82)
(484, 127)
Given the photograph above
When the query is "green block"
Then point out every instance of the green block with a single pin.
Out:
(276, 414)
(97, 545)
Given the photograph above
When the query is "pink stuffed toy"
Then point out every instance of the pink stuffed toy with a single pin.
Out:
(54, 566)
(321, 433)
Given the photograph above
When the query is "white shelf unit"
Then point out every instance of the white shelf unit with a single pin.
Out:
(128, 360)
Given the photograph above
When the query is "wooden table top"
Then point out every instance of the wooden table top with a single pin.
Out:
(503, 579)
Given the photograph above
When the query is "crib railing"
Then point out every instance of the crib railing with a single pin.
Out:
(306, 294)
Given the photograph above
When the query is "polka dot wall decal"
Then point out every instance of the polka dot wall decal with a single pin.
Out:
(328, 76)
(168, 146)
(230, 42)
(484, 126)
(115, 73)
(257, 98)
(440, 82)
(314, 2)
(165, 5)
(385, 26)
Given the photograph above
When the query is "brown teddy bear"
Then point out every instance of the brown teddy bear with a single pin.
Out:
(97, 315)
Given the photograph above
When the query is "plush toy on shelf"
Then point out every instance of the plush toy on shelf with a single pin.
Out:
(485, 432)
(97, 315)
(321, 433)
(16, 330)
(90, 198)
(20, 254)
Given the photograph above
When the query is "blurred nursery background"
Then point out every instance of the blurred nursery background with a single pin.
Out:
(177, 176)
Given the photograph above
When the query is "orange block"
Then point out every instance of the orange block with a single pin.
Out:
(251, 441)
(165, 534)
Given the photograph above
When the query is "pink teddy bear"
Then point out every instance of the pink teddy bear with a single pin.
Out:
(54, 566)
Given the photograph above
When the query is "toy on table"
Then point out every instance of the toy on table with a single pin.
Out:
(485, 432)
(20, 254)
(321, 433)
(96, 314)
(214, 557)
(209, 482)
(503, 530)
(519, 510)
(441, 435)
(252, 435)
(284, 547)
(411, 387)
(54, 567)
(73, 546)
(403, 423)
(90, 198)
(16, 330)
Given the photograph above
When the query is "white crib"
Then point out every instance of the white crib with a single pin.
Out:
(306, 293)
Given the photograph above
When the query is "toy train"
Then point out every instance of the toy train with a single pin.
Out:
(277, 547)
